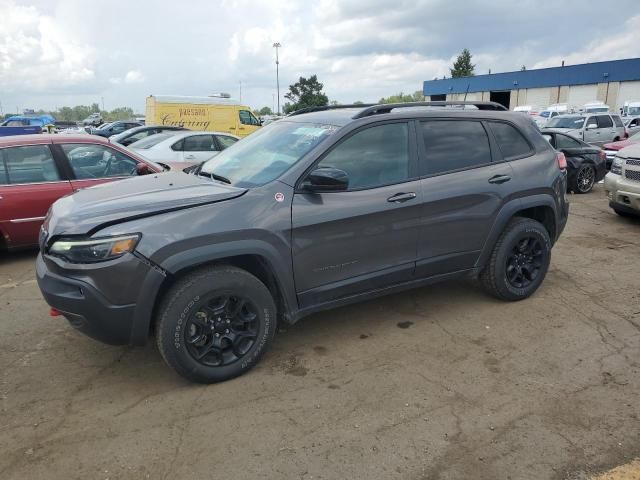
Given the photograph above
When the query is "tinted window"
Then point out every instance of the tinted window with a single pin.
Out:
(152, 140)
(247, 118)
(30, 164)
(592, 121)
(451, 145)
(373, 157)
(564, 141)
(604, 121)
(510, 140)
(199, 143)
(3, 171)
(97, 161)
(138, 136)
(226, 142)
(617, 120)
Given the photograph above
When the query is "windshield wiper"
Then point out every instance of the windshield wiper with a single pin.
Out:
(214, 176)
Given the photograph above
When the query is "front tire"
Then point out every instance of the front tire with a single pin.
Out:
(215, 324)
(519, 261)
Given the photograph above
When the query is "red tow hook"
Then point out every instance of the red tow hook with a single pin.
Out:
(54, 312)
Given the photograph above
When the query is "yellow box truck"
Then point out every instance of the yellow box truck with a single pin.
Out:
(212, 114)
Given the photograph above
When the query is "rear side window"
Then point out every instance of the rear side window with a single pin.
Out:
(604, 121)
(511, 142)
(30, 164)
(454, 144)
(199, 143)
(564, 141)
(617, 120)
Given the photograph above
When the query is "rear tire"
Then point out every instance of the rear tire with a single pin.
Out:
(584, 179)
(519, 261)
(215, 324)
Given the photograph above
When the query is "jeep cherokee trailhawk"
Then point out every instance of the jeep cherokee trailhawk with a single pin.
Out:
(325, 207)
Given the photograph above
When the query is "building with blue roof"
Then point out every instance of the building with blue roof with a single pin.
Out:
(612, 82)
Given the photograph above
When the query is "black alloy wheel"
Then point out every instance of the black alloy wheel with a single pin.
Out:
(525, 262)
(222, 330)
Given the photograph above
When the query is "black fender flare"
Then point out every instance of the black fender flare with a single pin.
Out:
(506, 213)
(202, 255)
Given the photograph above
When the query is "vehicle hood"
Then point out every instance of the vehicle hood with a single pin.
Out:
(562, 130)
(632, 151)
(618, 145)
(90, 209)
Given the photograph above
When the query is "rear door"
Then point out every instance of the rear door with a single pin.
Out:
(30, 181)
(198, 148)
(93, 164)
(348, 242)
(467, 178)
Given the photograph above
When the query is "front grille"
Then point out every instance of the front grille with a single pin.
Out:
(633, 161)
(632, 174)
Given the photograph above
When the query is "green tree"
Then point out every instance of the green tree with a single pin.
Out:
(306, 92)
(463, 67)
(416, 96)
(265, 111)
(120, 113)
(358, 102)
(524, 67)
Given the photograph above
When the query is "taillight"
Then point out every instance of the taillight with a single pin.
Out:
(562, 160)
(626, 132)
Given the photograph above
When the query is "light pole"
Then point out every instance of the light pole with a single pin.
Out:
(277, 45)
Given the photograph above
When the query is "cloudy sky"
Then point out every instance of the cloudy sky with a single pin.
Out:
(69, 52)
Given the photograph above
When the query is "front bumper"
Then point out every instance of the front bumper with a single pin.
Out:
(87, 307)
(623, 194)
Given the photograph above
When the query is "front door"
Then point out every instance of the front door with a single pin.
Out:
(248, 123)
(30, 181)
(592, 133)
(364, 238)
(466, 184)
(93, 164)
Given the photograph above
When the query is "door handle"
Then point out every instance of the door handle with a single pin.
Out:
(190, 157)
(401, 197)
(499, 179)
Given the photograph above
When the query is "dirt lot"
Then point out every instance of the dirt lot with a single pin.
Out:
(442, 382)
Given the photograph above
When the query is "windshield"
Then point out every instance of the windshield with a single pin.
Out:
(635, 138)
(566, 122)
(597, 109)
(267, 153)
(151, 141)
(545, 114)
(633, 111)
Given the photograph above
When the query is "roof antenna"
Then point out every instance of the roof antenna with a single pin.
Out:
(464, 107)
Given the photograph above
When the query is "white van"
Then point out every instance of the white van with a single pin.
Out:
(595, 107)
(550, 112)
(631, 109)
(530, 109)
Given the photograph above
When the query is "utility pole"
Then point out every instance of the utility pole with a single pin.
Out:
(277, 45)
(273, 102)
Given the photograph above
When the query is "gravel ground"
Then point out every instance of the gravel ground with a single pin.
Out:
(442, 382)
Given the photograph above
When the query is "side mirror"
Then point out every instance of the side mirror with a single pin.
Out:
(143, 169)
(326, 179)
(591, 126)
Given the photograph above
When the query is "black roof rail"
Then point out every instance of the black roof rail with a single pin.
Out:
(387, 107)
(329, 107)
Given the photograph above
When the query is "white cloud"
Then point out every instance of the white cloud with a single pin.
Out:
(134, 76)
(36, 55)
(625, 43)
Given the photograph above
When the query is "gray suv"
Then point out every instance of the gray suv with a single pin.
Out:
(323, 208)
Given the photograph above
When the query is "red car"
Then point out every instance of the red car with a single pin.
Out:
(36, 170)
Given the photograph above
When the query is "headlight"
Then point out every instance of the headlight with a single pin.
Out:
(95, 249)
(616, 166)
